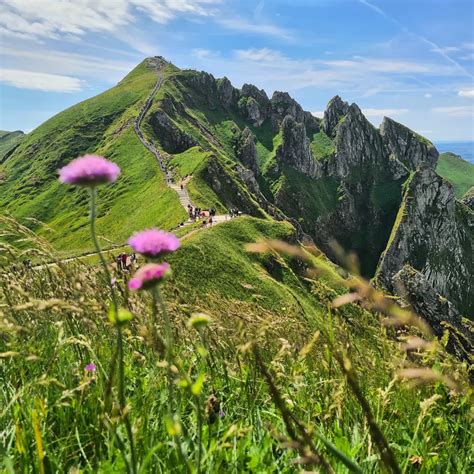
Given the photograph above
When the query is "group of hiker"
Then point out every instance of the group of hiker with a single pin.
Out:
(198, 213)
(124, 262)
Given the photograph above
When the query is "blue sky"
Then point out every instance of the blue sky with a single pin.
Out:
(412, 60)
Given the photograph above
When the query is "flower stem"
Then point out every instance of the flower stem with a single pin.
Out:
(121, 370)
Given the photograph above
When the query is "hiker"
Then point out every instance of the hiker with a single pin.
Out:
(27, 264)
(182, 187)
(210, 221)
(124, 261)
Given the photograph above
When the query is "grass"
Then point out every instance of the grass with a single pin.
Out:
(457, 171)
(53, 410)
(322, 146)
(99, 125)
(8, 141)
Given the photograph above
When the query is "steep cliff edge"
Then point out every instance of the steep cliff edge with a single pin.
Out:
(433, 234)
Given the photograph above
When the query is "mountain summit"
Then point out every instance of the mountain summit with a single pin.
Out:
(340, 180)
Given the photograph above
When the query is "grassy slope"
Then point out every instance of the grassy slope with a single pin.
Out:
(102, 125)
(457, 171)
(9, 140)
(249, 296)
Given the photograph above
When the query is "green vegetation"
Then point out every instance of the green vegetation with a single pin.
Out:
(457, 171)
(8, 141)
(322, 146)
(270, 324)
(29, 188)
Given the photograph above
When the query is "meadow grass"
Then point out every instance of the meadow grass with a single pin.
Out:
(457, 171)
(258, 389)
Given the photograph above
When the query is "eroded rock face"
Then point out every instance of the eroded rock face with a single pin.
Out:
(282, 105)
(226, 92)
(437, 311)
(358, 146)
(335, 110)
(246, 151)
(295, 149)
(172, 139)
(433, 234)
(406, 146)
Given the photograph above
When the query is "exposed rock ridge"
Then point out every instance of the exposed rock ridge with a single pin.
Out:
(438, 312)
(433, 234)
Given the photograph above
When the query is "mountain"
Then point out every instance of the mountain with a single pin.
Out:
(459, 172)
(8, 141)
(374, 192)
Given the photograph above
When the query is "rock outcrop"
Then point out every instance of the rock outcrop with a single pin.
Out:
(406, 146)
(282, 105)
(226, 92)
(436, 310)
(468, 198)
(433, 234)
(335, 111)
(172, 139)
(246, 151)
(295, 148)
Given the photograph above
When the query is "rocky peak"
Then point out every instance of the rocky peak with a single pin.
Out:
(358, 146)
(295, 149)
(249, 90)
(246, 151)
(225, 91)
(468, 198)
(407, 146)
(335, 110)
(283, 105)
(432, 234)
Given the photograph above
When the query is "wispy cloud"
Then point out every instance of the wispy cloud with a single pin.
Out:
(52, 19)
(457, 111)
(466, 93)
(245, 25)
(40, 81)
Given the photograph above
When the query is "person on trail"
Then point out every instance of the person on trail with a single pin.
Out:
(182, 187)
(210, 221)
(124, 261)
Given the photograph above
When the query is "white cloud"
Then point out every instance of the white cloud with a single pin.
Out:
(204, 53)
(319, 113)
(246, 26)
(40, 81)
(384, 112)
(456, 111)
(466, 93)
(55, 19)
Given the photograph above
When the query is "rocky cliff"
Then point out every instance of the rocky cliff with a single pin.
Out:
(433, 233)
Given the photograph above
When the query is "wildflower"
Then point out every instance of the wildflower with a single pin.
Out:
(221, 413)
(153, 242)
(149, 275)
(89, 170)
(90, 367)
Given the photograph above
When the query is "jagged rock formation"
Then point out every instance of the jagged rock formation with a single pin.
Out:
(295, 148)
(433, 234)
(334, 112)
(407, 147)
(437, 311)
(246, 151)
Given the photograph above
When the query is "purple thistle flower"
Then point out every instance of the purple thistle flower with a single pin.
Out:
(91, 367)
(221, 413)
(153, 242)
(89, 170)
(149, 275)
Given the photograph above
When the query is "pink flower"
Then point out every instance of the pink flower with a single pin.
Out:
(149, 275)
(153, 242)
(90, 367)
(89, 170)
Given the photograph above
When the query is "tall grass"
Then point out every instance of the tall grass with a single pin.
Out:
(264, 392)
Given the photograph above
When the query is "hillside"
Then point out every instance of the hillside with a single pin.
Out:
(457, 171)
(339, 181)
(8, 141)
(268, 357)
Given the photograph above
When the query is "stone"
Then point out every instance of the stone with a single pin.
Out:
(335, 111)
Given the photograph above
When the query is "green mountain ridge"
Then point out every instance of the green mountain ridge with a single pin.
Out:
(338, 179)
(459, 172)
